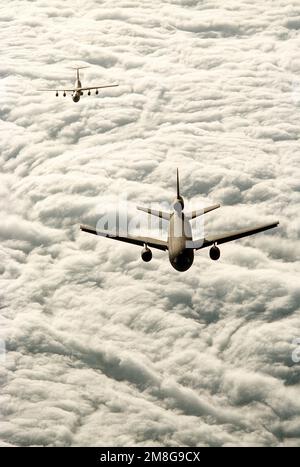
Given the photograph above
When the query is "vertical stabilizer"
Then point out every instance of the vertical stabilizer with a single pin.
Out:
(179, 198)
(77, 68)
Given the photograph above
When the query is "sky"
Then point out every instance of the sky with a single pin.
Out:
(97, 347)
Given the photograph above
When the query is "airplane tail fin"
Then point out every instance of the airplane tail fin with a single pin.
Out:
(77, 68)
(179, 198)
(153, 212)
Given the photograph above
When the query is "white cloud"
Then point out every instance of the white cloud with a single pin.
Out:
(102, 349)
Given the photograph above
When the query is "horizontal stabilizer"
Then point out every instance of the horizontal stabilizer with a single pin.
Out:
(200, 212)
(153, 212)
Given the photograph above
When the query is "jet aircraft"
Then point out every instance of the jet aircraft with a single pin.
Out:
(180, 244)
(77, 90)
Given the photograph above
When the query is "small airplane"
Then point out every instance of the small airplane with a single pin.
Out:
(180, 243)
(77, 90)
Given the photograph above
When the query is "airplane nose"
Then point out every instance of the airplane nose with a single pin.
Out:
(182, 260)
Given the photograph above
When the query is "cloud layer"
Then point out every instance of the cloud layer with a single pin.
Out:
(102, 349)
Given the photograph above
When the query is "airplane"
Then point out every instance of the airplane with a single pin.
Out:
(77, 90)
(180, 244)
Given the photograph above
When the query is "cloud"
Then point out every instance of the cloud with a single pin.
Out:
(101, 348)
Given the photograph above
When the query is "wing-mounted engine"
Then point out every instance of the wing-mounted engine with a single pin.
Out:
(214, 253)
(146, 254)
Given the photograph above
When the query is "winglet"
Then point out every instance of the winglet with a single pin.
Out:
(178, 194)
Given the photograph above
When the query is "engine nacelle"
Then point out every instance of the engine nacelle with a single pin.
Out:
(214, 253)
(146, 255)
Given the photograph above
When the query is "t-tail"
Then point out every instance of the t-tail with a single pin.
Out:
(77, 68)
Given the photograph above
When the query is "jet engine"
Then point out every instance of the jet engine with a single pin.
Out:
(146, 254)
(214, 253)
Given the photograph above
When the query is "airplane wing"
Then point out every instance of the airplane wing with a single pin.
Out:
(57, 90)
(230, 236)
(78, 89)
(141, 241)
(97, 87)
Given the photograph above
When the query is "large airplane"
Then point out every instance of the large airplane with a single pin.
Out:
(77, 90)
(180, 243)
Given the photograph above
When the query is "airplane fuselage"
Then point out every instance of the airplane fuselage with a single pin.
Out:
(179, 235)
(76, 94)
